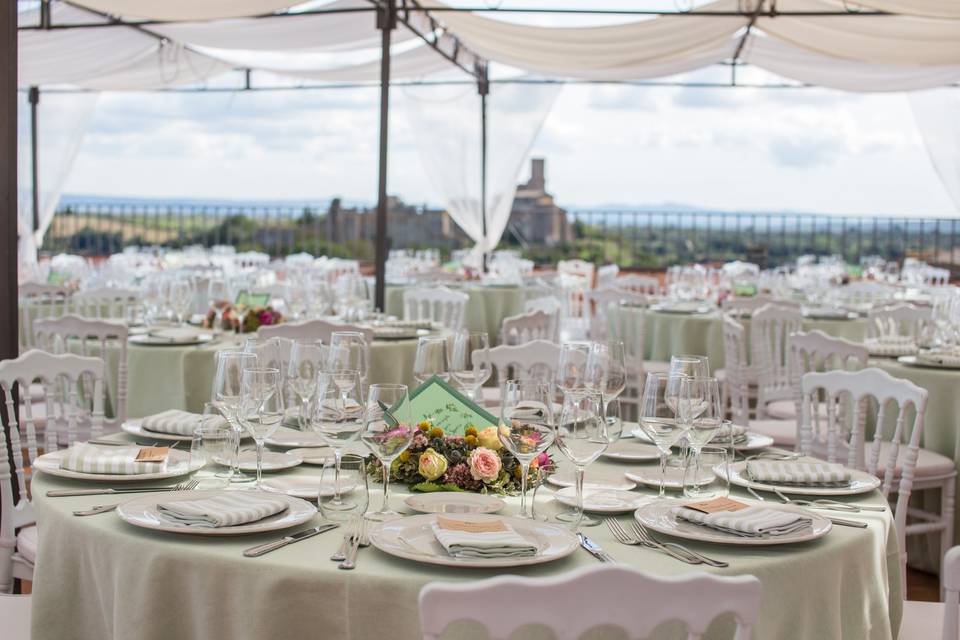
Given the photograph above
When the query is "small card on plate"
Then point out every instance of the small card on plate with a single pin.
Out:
(152, 454)
(716, 505)
(493, 526)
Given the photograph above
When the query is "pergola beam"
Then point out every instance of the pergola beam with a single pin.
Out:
(9, 331)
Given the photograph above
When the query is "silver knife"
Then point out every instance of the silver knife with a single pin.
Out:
(68, 493)
(261, 549)
(595, 549)
(848, 523)
(351, 560)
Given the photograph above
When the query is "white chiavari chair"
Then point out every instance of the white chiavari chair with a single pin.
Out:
(520, 329)
(647, 285)
(534, 360)
(39, 300)
(607, 275)
(851, 400)
(621, 597)
(576, 273)
(899, 320)
(550, 305)
(439, 304)
(64, 377)
(95, 338)
(601, 301)
(936, 620)
(312, 330)
(746, 305)
(769, 329)
(105, 302)
(864, 294)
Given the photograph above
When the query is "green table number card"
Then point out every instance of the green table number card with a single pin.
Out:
(254, 300)
(447, 408)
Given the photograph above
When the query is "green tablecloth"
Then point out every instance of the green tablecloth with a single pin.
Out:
(98, 577)
(486, 308)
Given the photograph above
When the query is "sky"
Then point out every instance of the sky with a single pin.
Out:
(810, 150)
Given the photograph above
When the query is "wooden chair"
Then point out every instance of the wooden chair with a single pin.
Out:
(93, 338)
(896, 458)
(898, 320)
(437, 304)
(520, 329)
(605, 595)
(936, 620)
(769, 329)
(63, 376)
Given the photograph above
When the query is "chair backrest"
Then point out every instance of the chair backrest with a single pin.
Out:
(847, 397)
(537, 359)
(576, 272)
(950, 578)
(647, 285)
(749, 304)
(816, 351)
(864, 292)
(607, 275)
(738, 370)
(311, 330)
(438, 304)
(520, 329)
(898, 320)
(769, 329)
(92, 338)
(549, 305)
(39, 300)
(600, 303)
(605, 595)
(106, 302)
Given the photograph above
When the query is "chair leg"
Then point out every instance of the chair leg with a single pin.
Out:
(947, 507)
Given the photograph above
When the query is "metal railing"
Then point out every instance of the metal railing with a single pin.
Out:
(633, 239)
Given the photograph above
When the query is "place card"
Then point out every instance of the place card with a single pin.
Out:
(492, 526)
(152, 454)
(716, 505)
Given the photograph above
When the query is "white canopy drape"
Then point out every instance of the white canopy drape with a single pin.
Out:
(937, 114)
(188, 9)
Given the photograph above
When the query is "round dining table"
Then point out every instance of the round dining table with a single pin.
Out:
(100, 577)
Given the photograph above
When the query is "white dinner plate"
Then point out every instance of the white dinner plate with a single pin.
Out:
(657, 516)
(861, 482)
(830, 314)
(145, 339)
(914, 361)
(603, 500)
(631, 451)
(413, 538)
(272, 461)
(294, 439)
(178, 464)
(135, 428)
(306, 487)
(454, 502)
(754, 440)
(593, 479)
(650, 477)
(681, 308)
(142, 512)
(313, 455)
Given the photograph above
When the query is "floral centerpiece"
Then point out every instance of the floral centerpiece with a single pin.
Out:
(253, 317)
(475, 461)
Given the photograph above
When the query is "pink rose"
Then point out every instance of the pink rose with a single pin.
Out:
(484, 464)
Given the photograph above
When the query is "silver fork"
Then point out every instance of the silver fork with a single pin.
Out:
(624, 538)
(829, 504)
(755, 494)
(644, 534)
(104, 508)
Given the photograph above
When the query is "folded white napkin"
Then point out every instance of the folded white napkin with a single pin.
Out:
(88, 458)
(529, 410)
(179, 423)
(499, 544)
(788, 472)
(332, 407)
(223, 510)
(946, 358)
(722, 436)
(752, 522)
(175, 334)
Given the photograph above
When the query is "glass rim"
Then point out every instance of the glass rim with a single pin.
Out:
(261, 370)
(423, 339)
(387, 385)
(690, 357)
(345, 333)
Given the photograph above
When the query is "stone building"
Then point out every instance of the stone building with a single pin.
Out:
(535, 217)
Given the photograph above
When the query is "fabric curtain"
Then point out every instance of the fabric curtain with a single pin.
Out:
(62, 121)
(927, 8)
(445, 122)
(937, 114)
(187, 9)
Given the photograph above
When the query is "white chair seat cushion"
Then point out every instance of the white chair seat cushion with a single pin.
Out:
(929, 463)
(783, 432)
(27, 541)
(921, 621)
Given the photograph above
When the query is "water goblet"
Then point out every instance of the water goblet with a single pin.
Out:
(431, 359)
(470, 364)
(526, 427)
(261, 408)
(337, 417)
(227, 397)
(387, 432)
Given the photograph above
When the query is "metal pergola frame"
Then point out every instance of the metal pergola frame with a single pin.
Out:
(388, 14)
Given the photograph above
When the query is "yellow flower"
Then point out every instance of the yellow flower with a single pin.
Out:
(404, 456)
(488, 438)
(471, 441)
(424, 425)
(436, 432)
(432, 465)
(470, 431)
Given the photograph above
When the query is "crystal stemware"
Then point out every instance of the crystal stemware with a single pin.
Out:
(571, 374)
(607, 369)
(337, 417)
(431, 359)
(228, 394)
(470, 364)
(261, 408)
(303, 366)
(526, 427)
(349, 351)
(387, 432)
(657, 419)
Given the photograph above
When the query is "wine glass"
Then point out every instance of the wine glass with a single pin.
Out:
(607, 369)
(218, 293)
(212, 443)
(583, 433)
(303, 366)
(572, 368)
(227, 396)
(337, 417)
(526, 426)
(267, 350)
(349, 479)
(657, 419)
(470, 365)
(696, 366)
(387, 432)
(261, 409)
(181, 295)
(431, 359)
(349, 350)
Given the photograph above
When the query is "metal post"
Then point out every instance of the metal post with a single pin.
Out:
(386, 22)
(9, 333)
(34, 97)
(483, 87)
